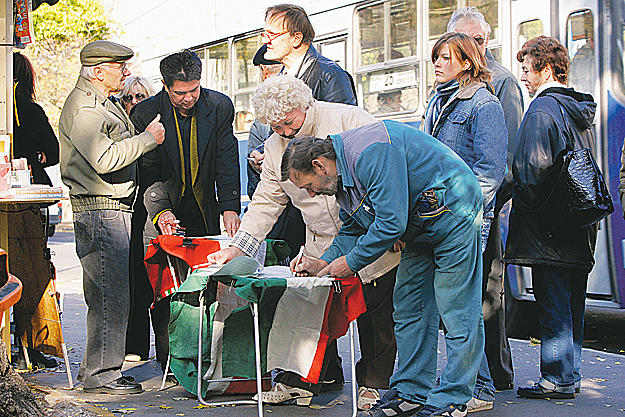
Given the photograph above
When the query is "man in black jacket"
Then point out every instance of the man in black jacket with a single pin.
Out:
(199, 155)
(288, 37)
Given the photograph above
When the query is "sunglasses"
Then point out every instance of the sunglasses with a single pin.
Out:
(479, 40)
(128, 97)
(270, 37)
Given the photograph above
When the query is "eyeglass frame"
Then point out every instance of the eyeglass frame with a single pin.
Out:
(271, 38)
(479, 40)
(127, 98)
(122, 68)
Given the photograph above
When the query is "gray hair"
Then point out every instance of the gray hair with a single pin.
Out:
(133, 80)
(88, 72)
(279, 95)
(470, 13)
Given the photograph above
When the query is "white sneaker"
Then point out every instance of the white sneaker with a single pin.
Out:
(475, 404)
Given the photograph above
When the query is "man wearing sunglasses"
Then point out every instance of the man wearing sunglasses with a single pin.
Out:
(288, 37)
(498, 367)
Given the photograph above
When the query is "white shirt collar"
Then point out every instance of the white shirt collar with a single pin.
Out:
(295, 67)
(548, 85)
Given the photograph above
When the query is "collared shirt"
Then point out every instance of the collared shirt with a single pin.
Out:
(296, 66)
(546, 86)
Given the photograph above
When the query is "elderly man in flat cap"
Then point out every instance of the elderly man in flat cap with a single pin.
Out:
(99, 150)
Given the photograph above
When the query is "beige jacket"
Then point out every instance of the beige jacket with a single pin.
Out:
(99, 150)
(320, 213)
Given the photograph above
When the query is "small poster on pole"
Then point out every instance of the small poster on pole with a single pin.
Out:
(23, 23)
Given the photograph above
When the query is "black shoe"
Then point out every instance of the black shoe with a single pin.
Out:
(121, 386)
(332, 385)
(40, 361)
(503, 386)
(540, 392)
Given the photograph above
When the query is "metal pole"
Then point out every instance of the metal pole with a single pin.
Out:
(259, 387)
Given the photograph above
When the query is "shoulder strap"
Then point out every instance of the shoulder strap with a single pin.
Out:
(568, 133)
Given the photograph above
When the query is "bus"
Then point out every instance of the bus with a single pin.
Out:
(386, 46)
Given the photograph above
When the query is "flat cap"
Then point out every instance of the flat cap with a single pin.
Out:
(259, 58)
(98, 52)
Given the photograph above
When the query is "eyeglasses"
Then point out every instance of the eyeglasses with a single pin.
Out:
(138, 96)
(122, 68)
(270, 37)
(479, 40)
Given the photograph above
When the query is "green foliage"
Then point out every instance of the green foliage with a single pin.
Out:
(61, 31)
(71, 19)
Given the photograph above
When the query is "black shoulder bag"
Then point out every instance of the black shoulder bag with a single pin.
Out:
(580, 196)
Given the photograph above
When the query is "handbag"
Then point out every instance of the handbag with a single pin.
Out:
(579, 197)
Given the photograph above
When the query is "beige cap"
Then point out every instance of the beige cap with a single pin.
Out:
(98, 52)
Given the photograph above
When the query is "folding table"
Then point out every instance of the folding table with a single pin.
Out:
(342, 302)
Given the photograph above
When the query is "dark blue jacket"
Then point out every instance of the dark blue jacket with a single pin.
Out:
(540, 140)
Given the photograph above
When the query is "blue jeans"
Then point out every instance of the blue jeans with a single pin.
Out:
(561, 297)
(440, 275)
(103, 245)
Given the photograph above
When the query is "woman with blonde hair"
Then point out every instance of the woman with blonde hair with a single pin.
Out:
(136, 89)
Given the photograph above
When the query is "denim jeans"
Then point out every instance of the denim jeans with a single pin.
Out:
(561, 297)
(440, 275)
(102, 245)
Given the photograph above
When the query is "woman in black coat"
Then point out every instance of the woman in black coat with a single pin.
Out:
(560, 260)
(33, 137)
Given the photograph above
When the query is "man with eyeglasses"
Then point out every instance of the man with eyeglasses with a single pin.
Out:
(99, 150)
(498, 365)
(288, 37)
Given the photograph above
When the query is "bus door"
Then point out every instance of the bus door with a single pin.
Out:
(579, 32)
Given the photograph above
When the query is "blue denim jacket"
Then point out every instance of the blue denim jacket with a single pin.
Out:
(472, 124)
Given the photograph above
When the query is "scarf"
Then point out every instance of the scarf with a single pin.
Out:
(439, 99)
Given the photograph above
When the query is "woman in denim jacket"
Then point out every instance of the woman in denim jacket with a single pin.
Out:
(466, 116)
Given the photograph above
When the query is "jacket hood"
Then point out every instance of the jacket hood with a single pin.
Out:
(579, 106)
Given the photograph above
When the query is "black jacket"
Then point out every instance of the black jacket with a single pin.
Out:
(540, 140)
(34, 134)
(218, 153)
(326, 79)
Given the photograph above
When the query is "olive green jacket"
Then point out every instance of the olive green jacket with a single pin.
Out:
(99, 150)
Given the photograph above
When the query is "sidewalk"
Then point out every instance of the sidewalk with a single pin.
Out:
(602, 394)
(602, 388)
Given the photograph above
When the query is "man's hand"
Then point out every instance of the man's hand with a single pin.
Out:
(167, 222)
(398, 246)
(156, 129)
(231, 222)
(225, 255)
(338, 268)
(256, 160)
(306, 266)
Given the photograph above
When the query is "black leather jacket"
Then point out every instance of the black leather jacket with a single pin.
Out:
(326, 79)
(540, 140)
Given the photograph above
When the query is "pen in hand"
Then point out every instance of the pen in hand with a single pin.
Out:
(298, 258)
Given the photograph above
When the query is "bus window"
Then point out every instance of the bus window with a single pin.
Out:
(216, 68)
(580, 42)
(246, 74)
(247, 78)
(440, 12)
(391, 90)
(387, 33)
(529, 30)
